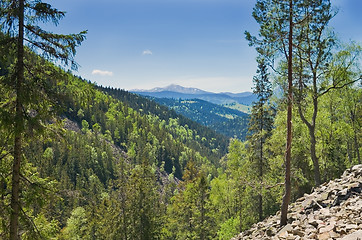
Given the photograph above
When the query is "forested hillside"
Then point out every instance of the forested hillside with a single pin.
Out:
(102, 144)
(104, 160)
(79, 161)
(147, 106)
(229, 122)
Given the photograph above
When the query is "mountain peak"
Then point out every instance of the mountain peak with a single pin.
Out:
(181, 89)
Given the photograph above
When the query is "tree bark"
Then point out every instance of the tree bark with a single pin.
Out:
(18, 127)
(317, 175)
(288, 153)
(313, 142)
(357, 147)
(260, 202)
(312, 124)
(315, 160)
(260, 196)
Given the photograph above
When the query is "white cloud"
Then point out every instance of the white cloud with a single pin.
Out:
(147, 52)
(102, 73)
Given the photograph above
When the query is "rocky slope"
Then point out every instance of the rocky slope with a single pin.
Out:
(331, 211)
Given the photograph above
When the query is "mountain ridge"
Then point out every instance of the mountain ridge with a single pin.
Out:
(173, 88)
(190, 90)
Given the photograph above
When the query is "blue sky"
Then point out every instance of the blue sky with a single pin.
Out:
(195, 43)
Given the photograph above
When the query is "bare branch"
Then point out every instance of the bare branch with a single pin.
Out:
(34, 183)
(32, 223)
(341, 86)
(273, 186)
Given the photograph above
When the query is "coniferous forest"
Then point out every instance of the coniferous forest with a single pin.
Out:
(82, 161)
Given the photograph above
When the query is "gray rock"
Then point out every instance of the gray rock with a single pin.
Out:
(353, 236)
(332, 211)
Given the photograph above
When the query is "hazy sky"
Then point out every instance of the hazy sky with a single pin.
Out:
(195, 43)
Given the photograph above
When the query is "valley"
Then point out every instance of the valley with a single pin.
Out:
(82, 160)
(221, 112)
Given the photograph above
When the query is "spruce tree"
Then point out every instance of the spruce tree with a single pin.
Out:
(19, 22)
(260, 125)
(144, 204)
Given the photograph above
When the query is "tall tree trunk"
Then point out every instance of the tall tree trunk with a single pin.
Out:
(313, 142)
(239, 207)
(288, 153)
(357, 147)
(311, 125)
(317, 175)
(349, 153)
(18, 127)
(260, 196)
(315, 160)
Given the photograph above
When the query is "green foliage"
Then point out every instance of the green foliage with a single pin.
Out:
(76, 228)
(37, 195)
(115, 165)
(227, 121)
(85, 161)
(260, 127)
(215, 143)
(229, 228)
(190, 215)
(234, 192)
(31, 80)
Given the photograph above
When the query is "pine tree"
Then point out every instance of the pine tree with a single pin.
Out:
(19, 21)
(293, 35)
(277, 21)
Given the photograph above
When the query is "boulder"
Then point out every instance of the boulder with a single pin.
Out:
(332, 211)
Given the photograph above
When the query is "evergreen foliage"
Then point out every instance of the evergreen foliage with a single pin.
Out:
(260, 127)
(33, 99)
(229, 122)
(102, 163)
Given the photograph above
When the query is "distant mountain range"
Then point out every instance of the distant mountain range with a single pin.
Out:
(179, 92)
(226, 113)
(173, 88)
